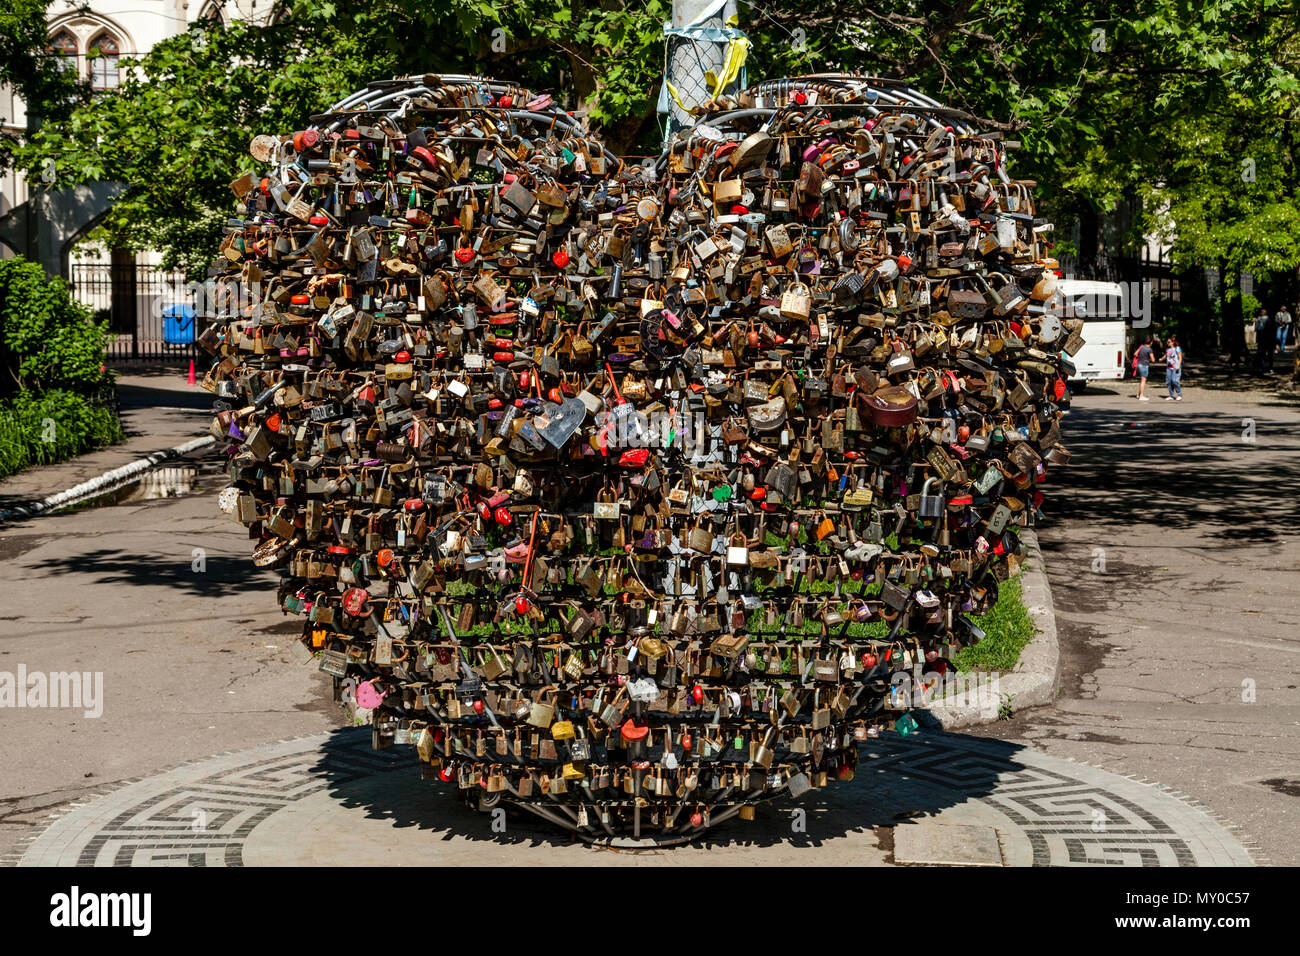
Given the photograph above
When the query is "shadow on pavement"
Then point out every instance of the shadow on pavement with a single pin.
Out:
(224, 575)
(1221, 376)
(897, 778)
(1179, 471)
(133, 397)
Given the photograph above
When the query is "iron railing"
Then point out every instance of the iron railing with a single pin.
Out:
(150, 311)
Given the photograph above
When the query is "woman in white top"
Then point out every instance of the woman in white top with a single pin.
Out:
(1173, 370)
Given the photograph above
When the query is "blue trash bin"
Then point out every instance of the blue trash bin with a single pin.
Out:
(178, 324)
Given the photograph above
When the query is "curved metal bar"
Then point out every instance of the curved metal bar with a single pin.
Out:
(388, 97)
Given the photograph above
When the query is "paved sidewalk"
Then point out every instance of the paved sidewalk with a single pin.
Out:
(327, 800)
(1174, 561)
(194, 661)
(159, 411)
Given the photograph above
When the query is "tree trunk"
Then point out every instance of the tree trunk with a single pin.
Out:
(1232, 334)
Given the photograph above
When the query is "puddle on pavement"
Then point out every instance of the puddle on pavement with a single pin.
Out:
(167, 482)
(177, 480)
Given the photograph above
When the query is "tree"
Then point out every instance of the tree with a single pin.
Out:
(177, 129)
(1185, 109)
(34, 73)
(1160, 103)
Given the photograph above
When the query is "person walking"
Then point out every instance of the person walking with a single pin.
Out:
(1265, 341)
(1284, 321)
(1142, 363)
(1173, 370)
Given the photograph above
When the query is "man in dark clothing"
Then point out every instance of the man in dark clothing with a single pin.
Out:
(1265, 341)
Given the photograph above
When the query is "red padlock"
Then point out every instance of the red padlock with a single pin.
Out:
(631, 731)
(560, 257)
(502, 516)
(697, 694)
(355, 601)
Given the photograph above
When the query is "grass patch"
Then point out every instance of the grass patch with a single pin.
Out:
(1009, 628)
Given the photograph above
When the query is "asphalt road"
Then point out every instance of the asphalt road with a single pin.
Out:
(194, 662)
(1172, 554)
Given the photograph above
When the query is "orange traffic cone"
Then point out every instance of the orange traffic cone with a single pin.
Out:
(190, 379)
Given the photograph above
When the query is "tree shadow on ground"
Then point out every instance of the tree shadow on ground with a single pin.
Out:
(222, 575)
(1208, 470)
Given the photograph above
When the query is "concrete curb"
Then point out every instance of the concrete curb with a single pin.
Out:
(105, 483)
(1037, 676)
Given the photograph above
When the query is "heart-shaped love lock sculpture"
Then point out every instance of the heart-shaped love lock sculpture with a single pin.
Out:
(637, 494)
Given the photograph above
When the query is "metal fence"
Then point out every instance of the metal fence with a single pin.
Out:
(150, 311)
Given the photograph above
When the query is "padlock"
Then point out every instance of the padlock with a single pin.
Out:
(474, 382)
(932, 505)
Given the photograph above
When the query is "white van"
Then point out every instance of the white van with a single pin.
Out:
(1102, 306)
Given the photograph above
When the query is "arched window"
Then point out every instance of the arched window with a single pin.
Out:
(104, 72)
(212, 15)
(64, 45)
